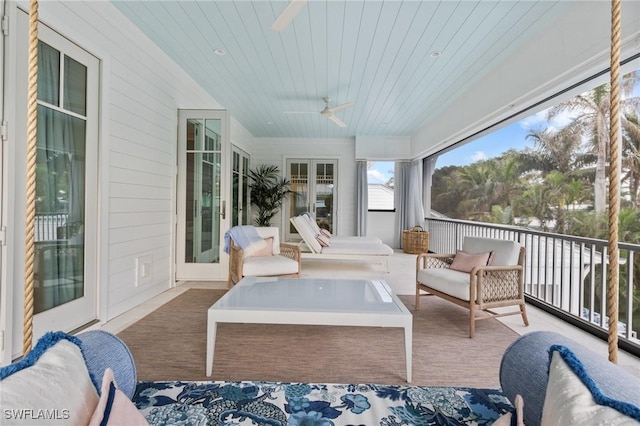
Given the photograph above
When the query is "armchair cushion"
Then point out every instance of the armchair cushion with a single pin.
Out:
(269, 265)
(465, 262)
(453, 283)
(505, 252)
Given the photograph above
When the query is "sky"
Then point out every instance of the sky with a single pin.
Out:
(491, 145)
(494, 144)
(513, 136)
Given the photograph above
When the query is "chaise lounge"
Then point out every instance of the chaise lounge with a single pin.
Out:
(321, 247)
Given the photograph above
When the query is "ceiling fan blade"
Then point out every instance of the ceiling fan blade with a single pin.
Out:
(289, 12)
(336, 120)
(343, 106)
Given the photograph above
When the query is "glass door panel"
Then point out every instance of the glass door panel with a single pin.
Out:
(299, 202)
(324, 185)
(60, 210)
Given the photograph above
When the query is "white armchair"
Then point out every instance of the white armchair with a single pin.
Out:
(482, 287)
(277, 260)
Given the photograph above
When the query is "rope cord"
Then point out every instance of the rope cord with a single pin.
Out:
(32, 95)
(614, 182)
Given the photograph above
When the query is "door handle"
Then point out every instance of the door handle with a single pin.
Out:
(223, 211)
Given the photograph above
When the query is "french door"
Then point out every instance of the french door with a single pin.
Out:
(202, 194)
(314, 183)
(240, 185)
(65, 271)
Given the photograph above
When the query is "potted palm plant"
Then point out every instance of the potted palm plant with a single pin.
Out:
(268, 192)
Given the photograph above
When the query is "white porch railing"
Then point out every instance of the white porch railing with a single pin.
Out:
(565, 275)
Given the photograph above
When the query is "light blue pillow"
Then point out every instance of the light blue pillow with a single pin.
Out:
(103, 350)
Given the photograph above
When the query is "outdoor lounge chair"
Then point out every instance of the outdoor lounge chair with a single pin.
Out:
(339, 238)
(465, 279)
(363, 251)
(277, 260)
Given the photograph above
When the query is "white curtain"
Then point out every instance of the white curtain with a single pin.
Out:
(428, 167)
(408, 197)
(362, 191)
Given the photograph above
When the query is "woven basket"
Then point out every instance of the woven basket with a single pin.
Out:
(415, 240)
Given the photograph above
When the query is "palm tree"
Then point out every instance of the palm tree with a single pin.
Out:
(591, 110)
(268, 192)
(631, 157)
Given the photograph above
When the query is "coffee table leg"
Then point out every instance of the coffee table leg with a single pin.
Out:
(408, 348)
(211, 345)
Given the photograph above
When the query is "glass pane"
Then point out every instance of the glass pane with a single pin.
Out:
(235, 219)
(48, 74)
(75, 86)
(193, 127)
(202, 204)
(213, 137)
(324, 196)
(245, 191)
(300, 187)
(60, 209)
(235, 196)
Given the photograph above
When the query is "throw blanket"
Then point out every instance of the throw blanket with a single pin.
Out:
(246, 237)
(298, 404)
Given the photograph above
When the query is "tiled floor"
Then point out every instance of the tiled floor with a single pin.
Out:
(401, 278)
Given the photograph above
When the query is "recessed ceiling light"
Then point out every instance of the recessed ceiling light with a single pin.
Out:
(220, 52)
(435, 54)
(269, 123)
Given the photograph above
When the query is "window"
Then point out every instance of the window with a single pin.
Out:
(380, 181)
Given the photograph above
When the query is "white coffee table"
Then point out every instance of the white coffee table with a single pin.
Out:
(309, 301)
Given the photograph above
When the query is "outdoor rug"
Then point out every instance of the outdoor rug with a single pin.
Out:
(169, 344)
(302, 404)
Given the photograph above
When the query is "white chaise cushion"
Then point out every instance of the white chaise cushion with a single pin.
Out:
(307, 234)
(268, 266)
(505, 252)
(339, 238)
(451, 282)
(358, 249)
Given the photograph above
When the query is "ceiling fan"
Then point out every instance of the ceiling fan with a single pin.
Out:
(328, 112)
(287, 15)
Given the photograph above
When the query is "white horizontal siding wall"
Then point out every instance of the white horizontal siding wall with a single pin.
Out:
(275, 151)
(141, 92)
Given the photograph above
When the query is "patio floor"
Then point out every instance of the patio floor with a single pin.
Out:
(401, 278)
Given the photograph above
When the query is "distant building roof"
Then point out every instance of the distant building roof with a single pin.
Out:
(380, 197)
